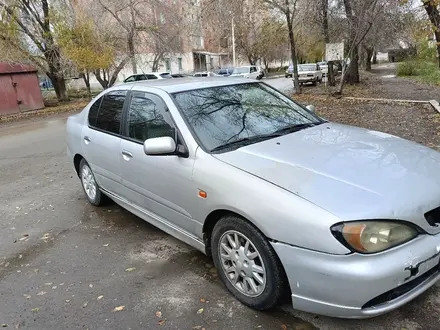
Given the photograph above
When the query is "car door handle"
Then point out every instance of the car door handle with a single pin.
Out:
(127, 155)
(87, 139)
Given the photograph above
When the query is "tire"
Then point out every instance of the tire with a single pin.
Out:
(314, 82)
(265, 295)
(89, 185)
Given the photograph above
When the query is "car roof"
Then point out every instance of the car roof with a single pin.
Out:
(188, 83)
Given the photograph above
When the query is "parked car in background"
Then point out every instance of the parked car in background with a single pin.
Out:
(309, 73)
(344, 219)
(179, 75)
(205, 74)
(148, 76)
(249, 71)
(289, 71)
(225, 72)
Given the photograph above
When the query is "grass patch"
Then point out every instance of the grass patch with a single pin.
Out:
(423, 71)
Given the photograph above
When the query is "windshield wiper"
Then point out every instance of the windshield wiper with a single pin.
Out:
(258, 138)
(242, 142)
(293, 128)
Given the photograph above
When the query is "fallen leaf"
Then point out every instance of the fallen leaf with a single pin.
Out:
(161, 322)
(100, 297)
(105, 245)
(283, 326)
(85, 304)
(200, 311)
(54, 287)
(197, 327)
(23, 238)
(4, 325)
(130, 269)
(202, 300)
(119, 308)
(48, 283)
(159, 314)
(35, 310)
(41, 293)
(67, 300)
(27, 296)
(20, 256)
(90, 285)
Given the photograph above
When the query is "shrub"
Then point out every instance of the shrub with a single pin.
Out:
(407, 68)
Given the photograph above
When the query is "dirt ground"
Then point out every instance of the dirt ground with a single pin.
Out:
(412, 121)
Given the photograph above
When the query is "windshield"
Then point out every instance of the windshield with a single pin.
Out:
(306, 67)
(221, 115)
(241, 70)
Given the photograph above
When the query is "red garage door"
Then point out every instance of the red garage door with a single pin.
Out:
(8, 96)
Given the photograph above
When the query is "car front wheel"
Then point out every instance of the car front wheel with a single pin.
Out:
(247, 264)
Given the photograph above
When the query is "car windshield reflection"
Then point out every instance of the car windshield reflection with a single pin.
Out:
(246, 112)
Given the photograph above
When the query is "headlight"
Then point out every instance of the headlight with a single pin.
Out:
(373, 236)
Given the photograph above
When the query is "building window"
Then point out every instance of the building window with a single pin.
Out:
(179, 61)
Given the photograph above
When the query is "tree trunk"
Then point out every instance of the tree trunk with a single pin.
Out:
(325, 32)
(132, 53)
(352, 74)
(55, 74)
(86, 78)
(434, 17)
(296, 85)
(331, 74)
(369, 51)
(59, 84)
(101, 79)
(375, 57)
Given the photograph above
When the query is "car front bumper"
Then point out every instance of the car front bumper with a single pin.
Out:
(306, 79)
(356, 285)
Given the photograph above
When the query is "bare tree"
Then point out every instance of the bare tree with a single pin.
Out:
(288, 8)
(431, 7)
(27, 27)
(126, 13)
(361, 15)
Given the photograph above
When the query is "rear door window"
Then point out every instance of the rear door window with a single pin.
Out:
(110, 112)
(150, 76)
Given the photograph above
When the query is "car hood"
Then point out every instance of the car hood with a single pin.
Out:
(306, 72)
(351, 172)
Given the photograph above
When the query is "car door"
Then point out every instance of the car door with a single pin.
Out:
(160, 184)
(101, 140)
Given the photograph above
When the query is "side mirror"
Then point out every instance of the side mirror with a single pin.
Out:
(311, 108)
(160, 146)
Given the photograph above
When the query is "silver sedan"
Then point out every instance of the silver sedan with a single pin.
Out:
(343, 219)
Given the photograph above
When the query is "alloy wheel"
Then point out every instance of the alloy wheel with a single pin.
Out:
(242, 263)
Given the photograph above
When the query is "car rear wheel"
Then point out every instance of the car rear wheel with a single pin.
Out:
(90, 187)
(247, 264)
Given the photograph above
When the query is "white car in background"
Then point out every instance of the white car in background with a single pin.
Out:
(148, 76)
(249, 71)
(205, 74)
(309, 73)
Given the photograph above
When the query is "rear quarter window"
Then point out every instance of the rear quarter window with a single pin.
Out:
(93, 112)
(110, 112)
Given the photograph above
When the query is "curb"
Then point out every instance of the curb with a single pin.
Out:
(42, 112)
(274, 77)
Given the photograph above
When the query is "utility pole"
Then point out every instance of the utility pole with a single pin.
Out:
(233, 43)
